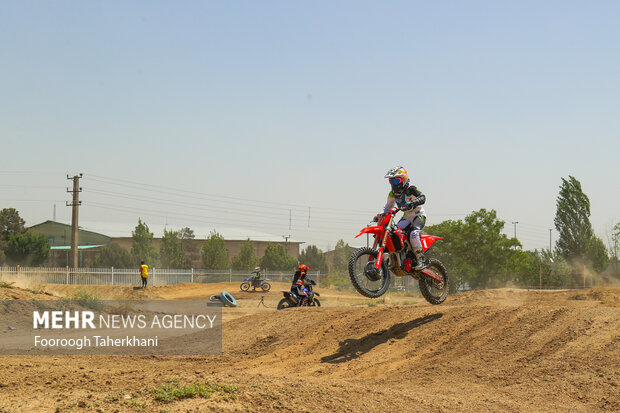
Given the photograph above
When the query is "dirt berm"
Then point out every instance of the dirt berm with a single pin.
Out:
(495, 350)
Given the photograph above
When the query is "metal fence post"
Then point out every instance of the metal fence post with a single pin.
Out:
(112, 275)
(230, 275)
(67, 275)
(192, 275)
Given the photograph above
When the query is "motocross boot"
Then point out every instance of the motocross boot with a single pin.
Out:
(421, 264)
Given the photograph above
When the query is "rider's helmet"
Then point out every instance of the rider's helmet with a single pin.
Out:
(256, 269)
(303, 268)
(399, 179)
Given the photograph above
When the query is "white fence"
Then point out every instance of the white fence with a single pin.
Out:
(131, 277)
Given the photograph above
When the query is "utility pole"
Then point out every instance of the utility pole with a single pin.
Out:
(515, 224)
(550, 229)
(74, 218)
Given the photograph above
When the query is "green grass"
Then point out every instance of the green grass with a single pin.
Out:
(86, 299)
(173, 391)
(135, 403)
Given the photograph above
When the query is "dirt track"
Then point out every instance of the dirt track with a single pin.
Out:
(500, 350)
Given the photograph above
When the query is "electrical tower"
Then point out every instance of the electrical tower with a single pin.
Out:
(74, 218)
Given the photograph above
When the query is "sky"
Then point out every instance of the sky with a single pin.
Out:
(283, 117)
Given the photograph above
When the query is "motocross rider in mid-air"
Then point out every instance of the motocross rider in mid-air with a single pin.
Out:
(409, 199)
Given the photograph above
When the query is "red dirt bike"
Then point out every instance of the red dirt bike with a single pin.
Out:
(369, 268)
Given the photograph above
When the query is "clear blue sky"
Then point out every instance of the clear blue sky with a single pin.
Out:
(276, 105)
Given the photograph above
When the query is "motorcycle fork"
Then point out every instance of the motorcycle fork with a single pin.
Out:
(383, 241)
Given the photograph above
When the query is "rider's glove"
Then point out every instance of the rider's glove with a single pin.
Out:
(409, 206)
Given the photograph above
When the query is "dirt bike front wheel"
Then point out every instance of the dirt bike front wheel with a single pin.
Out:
(266, 287)
(315, 303)
(433, 291)
(367, 279)
(245, 286)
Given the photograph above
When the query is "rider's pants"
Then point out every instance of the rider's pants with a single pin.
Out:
(414, 225)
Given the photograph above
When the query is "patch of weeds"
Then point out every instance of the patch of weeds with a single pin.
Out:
(6, 284)
(115, 397)
(173, 391)
(111, 399)
(88, 300)
(135, 403)
(40, 306)
(37, 288)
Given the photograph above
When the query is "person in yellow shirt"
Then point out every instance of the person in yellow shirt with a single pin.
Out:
(144, 273)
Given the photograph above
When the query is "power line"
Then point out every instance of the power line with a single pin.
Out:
(174, 190)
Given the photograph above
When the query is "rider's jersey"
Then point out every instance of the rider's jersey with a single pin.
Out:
(410, 194)
(299, 278)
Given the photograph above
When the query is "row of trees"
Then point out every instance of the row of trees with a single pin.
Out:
(474, 249)
(480, 256)
(178, 251)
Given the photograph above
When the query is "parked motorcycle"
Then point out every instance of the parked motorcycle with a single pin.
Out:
(292, 300)
(391, 253)
(251, 282)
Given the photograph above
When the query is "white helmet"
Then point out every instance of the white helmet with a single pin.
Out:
(399, 179)
(257, 269)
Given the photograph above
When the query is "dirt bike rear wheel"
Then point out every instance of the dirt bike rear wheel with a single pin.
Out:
(284, 303)
(265, 286)
(432, 291)
(365, 277)
(245, 286)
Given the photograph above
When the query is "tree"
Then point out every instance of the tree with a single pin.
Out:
(189, 247)
(10, 223)
(143, 248)
(113, 255)
(313, 258)
(615, 245)
(577, 242)
(170, 252)
(341, 255)
(475, 251)
(246, 259)
(186, 233)
(214, 254)
(27, 248)
(596, 254)
(275, 258)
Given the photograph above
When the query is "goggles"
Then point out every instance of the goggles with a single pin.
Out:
(396, 181)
